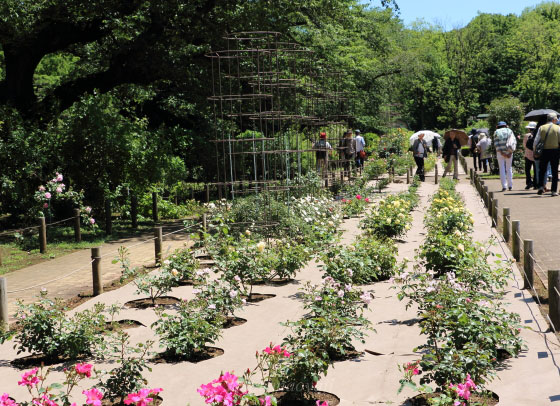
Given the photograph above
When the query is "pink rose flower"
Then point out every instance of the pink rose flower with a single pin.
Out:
(45, 206)
(92, 221)
(84, 369)
(6, 401)
(58, 190)
(367, 200)
(142, 397)
(88, 209)
(94, 396)
(47, 195)
(41, 188)
(359, 197)
(59, 177)
(29, 378)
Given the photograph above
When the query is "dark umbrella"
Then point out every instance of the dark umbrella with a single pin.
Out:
(482, 130)
(540, 113)
(460, 135)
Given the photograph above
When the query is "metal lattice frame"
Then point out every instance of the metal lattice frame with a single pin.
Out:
(272, 88)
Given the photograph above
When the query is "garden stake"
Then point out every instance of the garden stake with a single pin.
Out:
(77, 231)
(553, 298)
(158, 233)
(96, 271)
(436, 177)
(42, 235)
(528, 264)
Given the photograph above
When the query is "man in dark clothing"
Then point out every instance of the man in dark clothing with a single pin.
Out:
(473, 140)
(450, 148)
(420, 151)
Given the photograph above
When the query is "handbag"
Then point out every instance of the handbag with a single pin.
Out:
(362, 154)
(539, 148)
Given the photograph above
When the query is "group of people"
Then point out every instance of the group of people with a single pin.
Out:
(351, 150)
(542, 154)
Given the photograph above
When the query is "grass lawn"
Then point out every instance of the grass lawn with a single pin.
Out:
(20, 253)
(497, 176)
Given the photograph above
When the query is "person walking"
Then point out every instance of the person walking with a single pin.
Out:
(528, 143)
(360, 149)
(505, 143)
(322, 149)
(483, 146)
(420, 151)
(436, 146)
(473, 140)
(450, 148)
(347, 148)
(550, 136)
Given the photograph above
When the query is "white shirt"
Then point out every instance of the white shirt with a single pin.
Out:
(360, 143)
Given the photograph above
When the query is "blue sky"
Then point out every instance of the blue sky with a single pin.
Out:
(452, 13)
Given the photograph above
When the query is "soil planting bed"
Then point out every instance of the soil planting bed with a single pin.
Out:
(155, 402)
(203, 355)
(490, 399)
(348, 355)
(258, 297)
(120, 325)
(145, 303)
(233, 322)
(313, 397)
(36, 360)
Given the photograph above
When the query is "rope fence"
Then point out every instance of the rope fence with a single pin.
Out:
(95, 264)
(523, 252)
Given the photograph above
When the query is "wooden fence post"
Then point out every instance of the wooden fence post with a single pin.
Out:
(154, 207)
(495, 213)
(436, 174)
(77, 225)
(204, 222)
(42, 235)
(96, 271)
(485, 195)
(158, 233)
(3, 304)
(516, 240)
(505, 224)
(207, 193)
(528, 264)
(490, 202)
(1, 252)
(407, 176)
(553, 298)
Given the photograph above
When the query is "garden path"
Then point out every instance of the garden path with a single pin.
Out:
(532, 379)
(27, 283)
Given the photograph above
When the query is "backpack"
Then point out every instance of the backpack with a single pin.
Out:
(539, 148)
(321, 145)
(530, 142)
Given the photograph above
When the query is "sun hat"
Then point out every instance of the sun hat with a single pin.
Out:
(502, 124)
(357, 131)
(532, 125)
(551, 116)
